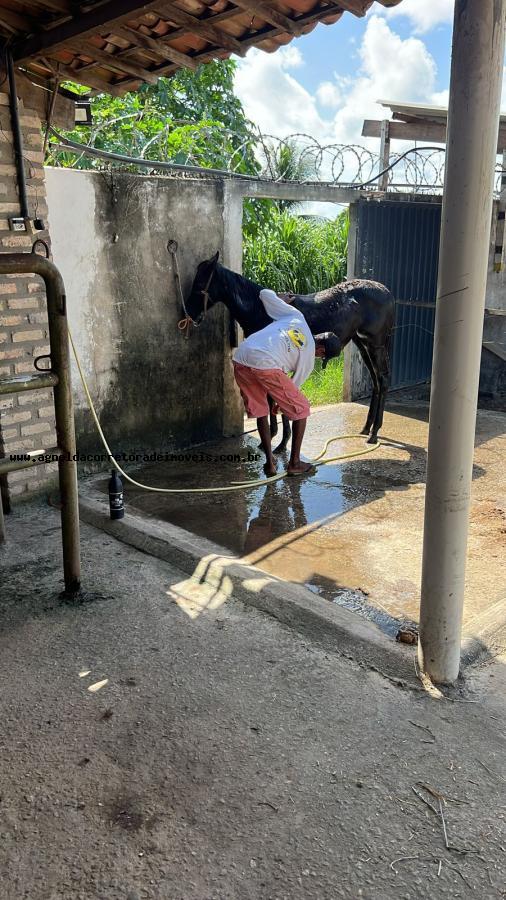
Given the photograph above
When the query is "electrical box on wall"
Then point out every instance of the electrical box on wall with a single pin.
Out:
(16, 223)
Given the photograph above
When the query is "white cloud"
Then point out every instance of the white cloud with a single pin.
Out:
(292, 57)
(329, 94)
(424, 14)
(441, 98)
(389, 68)
(273, 98)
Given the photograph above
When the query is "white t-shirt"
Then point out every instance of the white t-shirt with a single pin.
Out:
(287, 343)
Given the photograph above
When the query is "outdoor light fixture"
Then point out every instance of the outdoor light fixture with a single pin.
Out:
(83, 112)
(82, 106)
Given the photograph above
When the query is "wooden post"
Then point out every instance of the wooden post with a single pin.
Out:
(384, 154)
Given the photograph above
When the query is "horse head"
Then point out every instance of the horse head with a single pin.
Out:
(199, 299)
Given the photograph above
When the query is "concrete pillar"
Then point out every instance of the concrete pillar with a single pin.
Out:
(473, 122)
(233, 409)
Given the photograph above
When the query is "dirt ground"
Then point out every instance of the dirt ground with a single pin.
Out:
(147, 754)
(352, 533)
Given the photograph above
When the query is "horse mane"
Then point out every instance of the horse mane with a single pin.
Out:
(233, 283)
(241, 296)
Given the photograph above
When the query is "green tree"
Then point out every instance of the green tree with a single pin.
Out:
(192, 117)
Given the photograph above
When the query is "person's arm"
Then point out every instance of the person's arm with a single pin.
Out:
(275, 307)
(303, 369)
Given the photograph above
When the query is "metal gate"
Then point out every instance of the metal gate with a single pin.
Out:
(398, 244)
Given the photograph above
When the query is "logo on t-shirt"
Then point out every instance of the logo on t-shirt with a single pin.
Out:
(297, 337)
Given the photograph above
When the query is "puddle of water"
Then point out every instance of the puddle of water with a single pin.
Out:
(242, 521)
(355, 600)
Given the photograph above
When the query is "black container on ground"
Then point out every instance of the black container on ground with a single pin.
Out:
(116, 506)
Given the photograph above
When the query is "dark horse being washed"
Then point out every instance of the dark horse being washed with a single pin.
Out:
(359, 311)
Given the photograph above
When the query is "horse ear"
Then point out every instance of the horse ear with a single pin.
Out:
(214, 259)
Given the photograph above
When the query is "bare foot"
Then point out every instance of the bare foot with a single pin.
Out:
(270, 469)
(301, 468)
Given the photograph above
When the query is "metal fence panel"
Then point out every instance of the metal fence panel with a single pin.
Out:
(398, 244)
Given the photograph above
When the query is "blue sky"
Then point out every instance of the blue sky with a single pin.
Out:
(327, 82)
(334, 49)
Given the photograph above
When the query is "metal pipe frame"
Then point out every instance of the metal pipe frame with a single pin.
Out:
(2, 520)
(16, 384)
(27, 263)
(29, 460)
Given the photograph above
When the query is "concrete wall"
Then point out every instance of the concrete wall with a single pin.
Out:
(153, 389)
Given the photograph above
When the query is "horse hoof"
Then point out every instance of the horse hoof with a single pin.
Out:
(365, 430)
(373, 439)
(280, 448)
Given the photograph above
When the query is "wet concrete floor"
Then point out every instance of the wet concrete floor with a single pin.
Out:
(353, 531)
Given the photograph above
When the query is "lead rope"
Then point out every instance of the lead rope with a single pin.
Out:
(184, 324)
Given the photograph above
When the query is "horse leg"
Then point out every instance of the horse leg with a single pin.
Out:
(373, 406)
(287, 431)
(381, 361)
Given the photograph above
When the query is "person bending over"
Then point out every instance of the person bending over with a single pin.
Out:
(261, 366)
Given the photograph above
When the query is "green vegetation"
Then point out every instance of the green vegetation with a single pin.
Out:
(303, 255)
(297, 253)
(325, 385)
(191, 118)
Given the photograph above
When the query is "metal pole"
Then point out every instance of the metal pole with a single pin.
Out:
(17, 138)
(473, 123)
(60, 365)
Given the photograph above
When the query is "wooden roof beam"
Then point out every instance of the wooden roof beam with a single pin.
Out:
(201, 27)
(357, 7)
(158, 46)
(57, 6)
(233, 12)
(81, 25)
(251, 41)
(403, 131)
(15, 23)
(108, 60)
(419, 131)
(89, 79)
(267, 33)
(266, 12)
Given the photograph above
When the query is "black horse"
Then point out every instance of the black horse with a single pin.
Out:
(360, 311)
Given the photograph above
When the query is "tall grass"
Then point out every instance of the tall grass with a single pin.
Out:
(297, 253)
(303, 255)
(325, 385)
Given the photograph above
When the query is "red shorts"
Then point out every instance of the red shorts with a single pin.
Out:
(258, 384)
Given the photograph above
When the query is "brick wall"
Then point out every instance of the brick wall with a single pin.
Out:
(26, 420)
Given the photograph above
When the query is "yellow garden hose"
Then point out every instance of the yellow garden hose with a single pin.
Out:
(233, 486)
